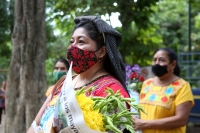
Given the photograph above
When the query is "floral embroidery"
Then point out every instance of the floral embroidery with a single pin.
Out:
(82, 59)
(152, 97)
(149, 82)
(175, 83)
(169, 90)
(164, 99)
(143, 96)
(146, 89)
(53, 101)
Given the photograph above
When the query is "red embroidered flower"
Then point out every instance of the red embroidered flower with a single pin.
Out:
(91, 63)
(74, 51)
(92, 55)
(164, 99)
(149, 82)
(84, 57)
(80, 62)
(143, 95)
(175, 83)
(76, 69)
(86, 52)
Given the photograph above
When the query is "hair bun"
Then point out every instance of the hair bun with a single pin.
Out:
(90, 18)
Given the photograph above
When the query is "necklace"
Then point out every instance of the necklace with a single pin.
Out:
(100, 70)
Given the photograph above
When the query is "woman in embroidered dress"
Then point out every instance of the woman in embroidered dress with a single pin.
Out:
(166, 98)
(60, 69)
(96, 61)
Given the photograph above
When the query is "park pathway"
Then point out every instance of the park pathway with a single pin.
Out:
(189, 129)
(2, 124)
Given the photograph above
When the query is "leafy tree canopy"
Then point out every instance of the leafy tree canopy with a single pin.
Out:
(146, 26)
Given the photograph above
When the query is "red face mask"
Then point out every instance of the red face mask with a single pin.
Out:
(82, 59)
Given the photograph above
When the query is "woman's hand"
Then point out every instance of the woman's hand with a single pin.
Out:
(139, 124)
(30, 130)
(37, 118)
(178, 120)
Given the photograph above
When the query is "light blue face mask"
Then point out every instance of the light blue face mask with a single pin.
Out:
(58, 74)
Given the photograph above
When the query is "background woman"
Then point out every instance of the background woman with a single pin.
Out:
(166, 98)
(60, 69)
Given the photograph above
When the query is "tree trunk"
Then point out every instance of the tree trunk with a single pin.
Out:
(26, 80)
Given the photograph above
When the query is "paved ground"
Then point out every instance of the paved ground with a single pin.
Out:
(2, 125)
(189, 129)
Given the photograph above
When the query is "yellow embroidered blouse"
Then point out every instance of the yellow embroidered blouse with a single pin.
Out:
(48, 92)
(160, 102)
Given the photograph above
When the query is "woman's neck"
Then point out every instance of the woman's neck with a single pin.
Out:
(88, 76)
(164, 81)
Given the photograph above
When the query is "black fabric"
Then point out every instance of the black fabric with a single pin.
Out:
(112, 41)
(126, 131)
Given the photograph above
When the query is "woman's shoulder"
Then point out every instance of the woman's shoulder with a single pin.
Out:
(57, 87)
(179, 81)
(148, 81)
(106, 80)
(183, 81)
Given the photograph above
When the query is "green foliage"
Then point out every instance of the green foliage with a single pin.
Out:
(195, 35)
(56, 44)
(130, 12)
(146, 26)
(172, 18)
(5, 50)
(49, 71)
(5, 38)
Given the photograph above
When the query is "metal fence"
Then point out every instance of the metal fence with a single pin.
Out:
(190, 68)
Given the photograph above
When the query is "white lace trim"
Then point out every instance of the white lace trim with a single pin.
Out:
(36, 128)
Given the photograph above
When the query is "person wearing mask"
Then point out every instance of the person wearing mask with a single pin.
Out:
(96, 61)
(166, 98)
(60, 69)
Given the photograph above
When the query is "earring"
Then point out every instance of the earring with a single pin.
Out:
(99, 59)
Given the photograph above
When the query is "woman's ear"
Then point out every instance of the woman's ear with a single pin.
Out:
(102, 52)
(173, 64)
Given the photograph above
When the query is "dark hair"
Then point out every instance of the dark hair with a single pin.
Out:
(92, 32)
(63, 61)
(172, 56)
